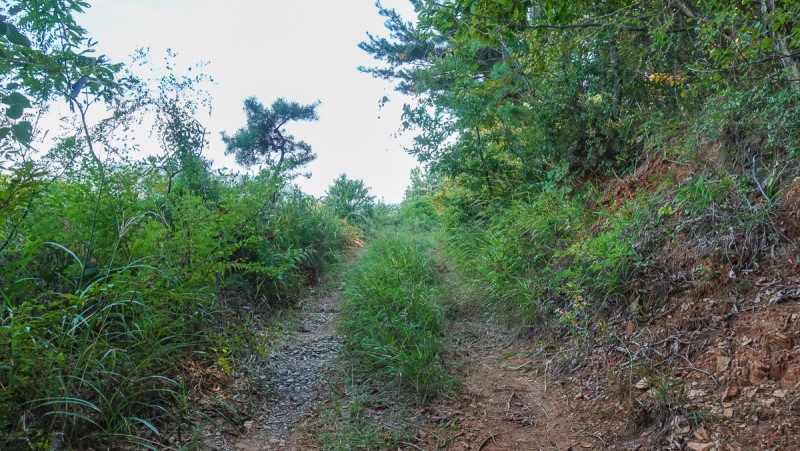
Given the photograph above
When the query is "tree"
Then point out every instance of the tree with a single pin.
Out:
(265, 141)
(349, 199)
(44, 55)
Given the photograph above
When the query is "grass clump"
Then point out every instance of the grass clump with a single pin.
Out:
(391, 314)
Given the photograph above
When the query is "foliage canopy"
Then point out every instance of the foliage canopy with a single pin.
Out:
(265, 140)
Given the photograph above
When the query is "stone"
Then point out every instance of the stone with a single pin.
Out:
(758, 372)
(694, 394)
(701, 435)
(731, 392)
(723, 362)
(728, 413)
(791, 379)
(697, 446)
(778, 341)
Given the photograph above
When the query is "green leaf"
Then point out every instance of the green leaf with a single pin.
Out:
(14, 112)
(16, 98)
(4, 131)
(22, 131)
(15, 37)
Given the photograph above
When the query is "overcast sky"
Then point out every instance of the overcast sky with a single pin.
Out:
(302, 50)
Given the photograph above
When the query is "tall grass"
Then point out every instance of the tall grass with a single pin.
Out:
(104, 304)
(392, 316)
(538, 255)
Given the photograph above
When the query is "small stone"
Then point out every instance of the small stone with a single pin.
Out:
(701, 435)
(696, 446)
(694, 394)
(642, 384)
(728, 413)
(779, 394)
(731, 392)
(778, 341)
(758, 372)
(723, 362)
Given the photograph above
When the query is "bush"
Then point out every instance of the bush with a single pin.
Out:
(112, 285)
(350, 200)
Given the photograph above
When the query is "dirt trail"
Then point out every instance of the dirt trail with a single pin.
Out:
(503, 404)
(296, 379)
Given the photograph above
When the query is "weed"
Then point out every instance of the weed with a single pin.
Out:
(391, 314)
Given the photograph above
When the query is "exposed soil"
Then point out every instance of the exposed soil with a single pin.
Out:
(713, 365)
(507, 399)
(713, 374)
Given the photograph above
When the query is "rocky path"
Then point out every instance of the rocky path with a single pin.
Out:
(297, 379)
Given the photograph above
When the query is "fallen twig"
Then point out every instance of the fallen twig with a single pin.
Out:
(597, 436)
(508, 403)
(411, 445)
(486, 441)
(541, 406)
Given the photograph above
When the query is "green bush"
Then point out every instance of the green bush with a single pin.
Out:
(535, 257)
(350, 200)
(112, 284)
(510, 259)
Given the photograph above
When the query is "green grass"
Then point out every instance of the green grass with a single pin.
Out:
(392, 316)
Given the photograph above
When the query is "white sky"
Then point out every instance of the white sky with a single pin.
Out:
(302, 50)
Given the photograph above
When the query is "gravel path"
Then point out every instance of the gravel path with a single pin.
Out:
(297, 379)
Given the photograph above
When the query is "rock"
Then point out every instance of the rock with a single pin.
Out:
(723, 362)
(681, 425)
(701, 435)
(791, 379)
(728, 413)
(730, 393)
(694, 394)
(778, 341)
(779, 394)
(696, 446)
(758, 372)
(642, 384)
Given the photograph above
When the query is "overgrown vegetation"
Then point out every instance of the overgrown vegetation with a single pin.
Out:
(392, 316)
(395, 322)
(530, 113)
(120, 277)
(586, 161)
(594, 161)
